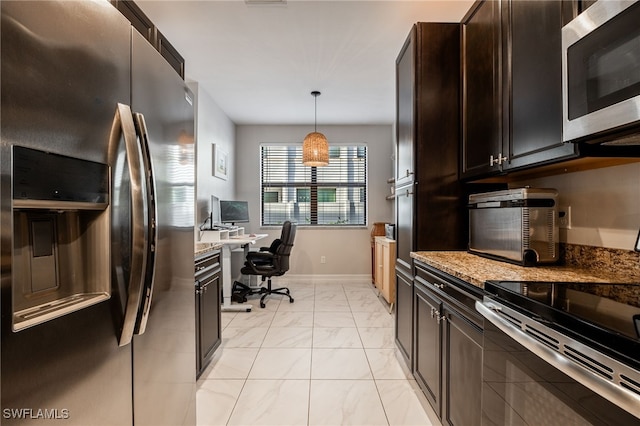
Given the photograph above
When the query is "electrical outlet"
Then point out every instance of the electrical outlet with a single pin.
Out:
(323, 259)
(564, 217)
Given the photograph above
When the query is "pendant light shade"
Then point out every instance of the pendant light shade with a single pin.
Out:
(315, 147)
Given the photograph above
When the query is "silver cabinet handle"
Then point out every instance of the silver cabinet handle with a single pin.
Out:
(152, 214)
(498, 160)
(437, 285)
(436, 314)
(409, 173)
(123, 126)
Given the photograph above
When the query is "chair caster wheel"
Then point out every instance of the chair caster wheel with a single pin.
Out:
(262, 305)
(291, 300)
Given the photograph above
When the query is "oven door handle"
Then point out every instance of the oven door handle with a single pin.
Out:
(626, 400)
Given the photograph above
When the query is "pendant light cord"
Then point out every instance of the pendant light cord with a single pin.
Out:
(315, 95)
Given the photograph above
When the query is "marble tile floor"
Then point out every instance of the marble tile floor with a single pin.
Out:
(329, 358)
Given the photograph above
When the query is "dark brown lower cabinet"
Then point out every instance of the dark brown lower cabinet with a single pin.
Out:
(448, 346)
(208, 279)
(404, 313)
(428, 359)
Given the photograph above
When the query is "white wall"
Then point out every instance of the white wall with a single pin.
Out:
(605, 205)
(347, 251)
(212, 127)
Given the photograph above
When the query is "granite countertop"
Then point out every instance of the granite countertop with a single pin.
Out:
(202, 248)
(476, 269)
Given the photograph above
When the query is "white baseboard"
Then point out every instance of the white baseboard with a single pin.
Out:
(326, 277)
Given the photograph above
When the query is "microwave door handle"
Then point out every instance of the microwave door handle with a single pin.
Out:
(123, 124)
(152, 214)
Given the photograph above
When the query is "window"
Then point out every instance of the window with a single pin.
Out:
(334, 195)
(270, 196)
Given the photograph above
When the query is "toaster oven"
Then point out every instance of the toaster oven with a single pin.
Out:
(515, 225)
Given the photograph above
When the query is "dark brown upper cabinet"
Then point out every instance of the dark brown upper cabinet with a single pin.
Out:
(150, 32)
(481, 90)
(512, 93)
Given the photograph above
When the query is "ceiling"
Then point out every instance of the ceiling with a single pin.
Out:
(260, 62)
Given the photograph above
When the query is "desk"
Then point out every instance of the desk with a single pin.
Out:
(227, 279)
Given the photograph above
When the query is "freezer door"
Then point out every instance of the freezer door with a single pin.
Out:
(64, 67)
(164, 356)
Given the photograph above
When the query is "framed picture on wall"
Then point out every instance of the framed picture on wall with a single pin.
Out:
(220, 162)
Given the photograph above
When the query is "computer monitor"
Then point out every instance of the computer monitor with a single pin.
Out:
(234, 211)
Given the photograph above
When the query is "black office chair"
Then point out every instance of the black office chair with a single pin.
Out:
(272, 261)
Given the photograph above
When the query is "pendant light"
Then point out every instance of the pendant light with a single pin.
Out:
(315, 147)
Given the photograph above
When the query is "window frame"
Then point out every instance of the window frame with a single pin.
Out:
(363, 187)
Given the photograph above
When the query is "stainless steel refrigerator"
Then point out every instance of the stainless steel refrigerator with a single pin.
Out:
(97, 215)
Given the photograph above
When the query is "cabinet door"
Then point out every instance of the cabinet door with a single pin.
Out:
(404, 315)
(481, 76)
(405, 110)
(462, 358)
(379, 265)
(405, 199)
(427, 359)
(210, 330)
(388, 262)
(533, 91)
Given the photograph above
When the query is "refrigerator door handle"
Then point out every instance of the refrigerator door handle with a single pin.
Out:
(123, 125)
(152, 214)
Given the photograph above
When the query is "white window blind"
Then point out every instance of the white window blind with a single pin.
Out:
(334, 195)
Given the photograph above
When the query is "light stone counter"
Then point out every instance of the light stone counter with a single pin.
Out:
(202, 248)
(476, 269)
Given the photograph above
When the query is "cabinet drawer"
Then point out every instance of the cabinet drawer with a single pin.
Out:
(207, 263)
(458, 293)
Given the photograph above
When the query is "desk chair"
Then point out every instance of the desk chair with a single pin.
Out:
(272, 261)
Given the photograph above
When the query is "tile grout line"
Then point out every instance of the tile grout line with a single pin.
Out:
(313, 328)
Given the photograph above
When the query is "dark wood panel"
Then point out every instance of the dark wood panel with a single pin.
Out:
(170, 54)
(439, 205)
(405, 109)
(533, 91)
(405, 225)
(404, 315)
(208, 301)
(138, 19)
(427, 359)
(481, 76)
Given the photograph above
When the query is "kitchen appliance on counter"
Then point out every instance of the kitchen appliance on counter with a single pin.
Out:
(97, 212)
(561, 352)
(515, 225)
(601, 74)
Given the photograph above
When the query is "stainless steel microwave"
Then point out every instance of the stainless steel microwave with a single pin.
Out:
(601, 74)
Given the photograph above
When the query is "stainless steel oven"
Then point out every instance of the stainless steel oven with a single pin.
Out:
(601, 74)
(560, 353)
